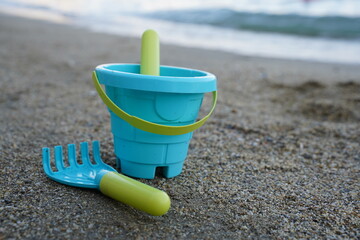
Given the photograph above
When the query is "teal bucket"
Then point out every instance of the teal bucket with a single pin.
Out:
(153, 117)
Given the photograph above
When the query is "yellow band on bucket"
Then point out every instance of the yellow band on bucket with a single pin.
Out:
(146, 125)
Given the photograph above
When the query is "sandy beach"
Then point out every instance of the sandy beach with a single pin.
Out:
(279, 159)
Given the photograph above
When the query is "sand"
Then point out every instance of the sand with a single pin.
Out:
(279, 159)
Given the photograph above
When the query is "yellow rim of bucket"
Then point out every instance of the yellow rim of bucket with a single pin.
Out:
(146, 125)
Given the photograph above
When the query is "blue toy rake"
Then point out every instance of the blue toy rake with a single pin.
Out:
(101, 176)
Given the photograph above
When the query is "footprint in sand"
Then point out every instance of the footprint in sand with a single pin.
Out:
(333, 103)
(327, 110)
(338, 103)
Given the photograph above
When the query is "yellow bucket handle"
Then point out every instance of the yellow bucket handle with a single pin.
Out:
(146, 125)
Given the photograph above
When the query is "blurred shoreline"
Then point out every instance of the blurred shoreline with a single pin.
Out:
(264, 67)
(211, 29)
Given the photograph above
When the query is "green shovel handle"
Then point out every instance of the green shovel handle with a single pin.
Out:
(146, 125)
(150, 53)
(135, 193)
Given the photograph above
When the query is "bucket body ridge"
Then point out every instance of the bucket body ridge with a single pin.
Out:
(138, 152)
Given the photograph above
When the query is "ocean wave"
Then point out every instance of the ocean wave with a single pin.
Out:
(338, 27)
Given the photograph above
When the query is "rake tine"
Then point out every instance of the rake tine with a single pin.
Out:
(46, 160)
(85, 153)
(96, 152)
(59, 160)
(72, 155)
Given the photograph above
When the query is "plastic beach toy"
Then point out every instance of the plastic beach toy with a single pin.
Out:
(100, 176)
(150, 53)
(152, 116)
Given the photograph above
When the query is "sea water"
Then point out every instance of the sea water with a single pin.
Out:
(320, 30)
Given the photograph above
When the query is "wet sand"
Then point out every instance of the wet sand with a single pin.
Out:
(279, 159)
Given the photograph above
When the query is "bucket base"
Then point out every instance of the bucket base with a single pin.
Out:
(148, 171)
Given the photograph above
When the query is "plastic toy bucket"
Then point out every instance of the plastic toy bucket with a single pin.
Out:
(153, 117)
